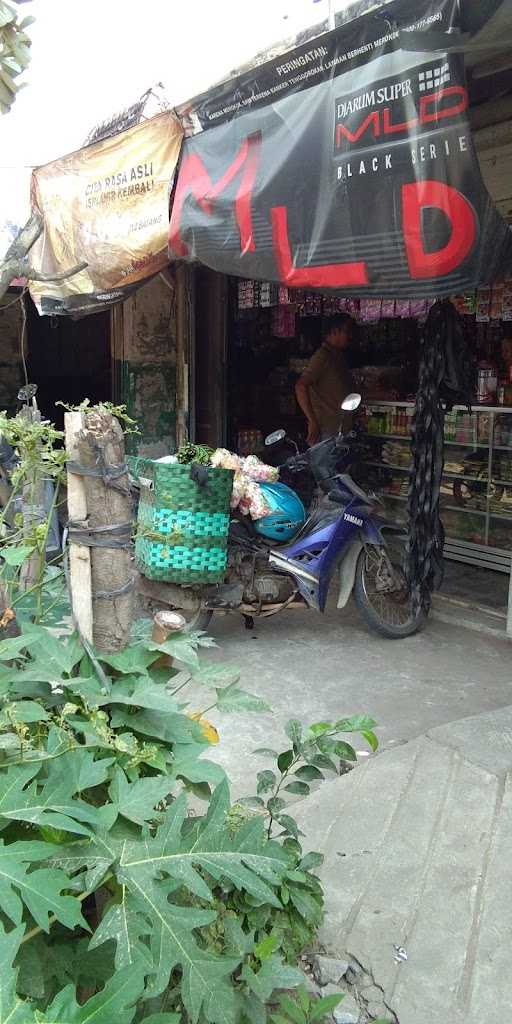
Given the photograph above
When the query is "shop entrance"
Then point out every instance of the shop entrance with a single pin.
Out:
(269, 336)
(69, 360)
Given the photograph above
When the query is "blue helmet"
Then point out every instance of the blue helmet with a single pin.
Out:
(287, 515)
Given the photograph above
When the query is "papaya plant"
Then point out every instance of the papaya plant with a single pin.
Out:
(114, 902)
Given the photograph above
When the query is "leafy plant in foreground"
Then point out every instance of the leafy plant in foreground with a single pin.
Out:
(106, 883)
(305, 1008)
(115, 903)
(313, 752)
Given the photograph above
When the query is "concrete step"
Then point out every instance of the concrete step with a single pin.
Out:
(418, 848)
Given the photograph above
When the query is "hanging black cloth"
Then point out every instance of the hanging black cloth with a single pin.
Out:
(446, 378)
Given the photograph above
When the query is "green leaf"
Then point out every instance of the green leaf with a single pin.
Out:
(266, 781)
(306, 905)
(358, 723)
(292, 1009)
(322, 761)
(273, 974)
(285, 760)
(246, 859)
(290, 825)
(161, 1018)
(140, 692)
(264, 949)
(197, 770)
(308, 773)
(116, 1002)
(15, 555)
(300, 788)
(137, 800)
(252, 801)
(311, 860)
(345, 751)
(165, 726)
(371, 739)
(320, 728)
(275, 805)
(126, 927)
(58, 655)
(293, 730)
(12, 1009)
(173, 943)
(12, 647)
(23, 711)
(323, 1007)
(182, 648)
(239, 942)
(231, 699)
(23, 798)
(39, 890)
(134, 660)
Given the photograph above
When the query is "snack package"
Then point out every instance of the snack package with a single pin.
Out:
(507, 300)
(496, 310)
(483, 305)
(403, 308)
(418, 308)
(388, 308)
(246, 298)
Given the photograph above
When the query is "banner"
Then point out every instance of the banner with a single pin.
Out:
(346, 165)
(107, 205)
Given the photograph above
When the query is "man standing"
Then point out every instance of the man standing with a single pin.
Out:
(327, 382)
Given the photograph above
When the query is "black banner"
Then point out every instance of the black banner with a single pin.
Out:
(345, 165)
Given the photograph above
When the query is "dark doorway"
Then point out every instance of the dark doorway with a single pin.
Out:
(69, 360)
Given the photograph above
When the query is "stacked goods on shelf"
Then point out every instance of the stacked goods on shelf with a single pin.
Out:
(396, 453)
(389, 421)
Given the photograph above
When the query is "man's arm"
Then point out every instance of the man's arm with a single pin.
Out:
(303, 398)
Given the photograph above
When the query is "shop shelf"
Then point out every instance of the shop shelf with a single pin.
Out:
(443, 507)
(465, 511)
(446, 476)
(500, 515)
(390, 437)
(387, 465)
(457, 444)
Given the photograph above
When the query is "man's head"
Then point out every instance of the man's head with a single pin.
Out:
(340, 329)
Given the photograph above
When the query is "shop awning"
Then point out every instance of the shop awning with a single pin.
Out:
(347, 164)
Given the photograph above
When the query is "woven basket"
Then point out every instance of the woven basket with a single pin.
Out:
(183, 527)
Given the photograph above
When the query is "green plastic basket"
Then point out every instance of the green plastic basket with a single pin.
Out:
(182, 533)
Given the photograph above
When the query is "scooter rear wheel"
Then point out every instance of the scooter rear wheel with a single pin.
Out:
(386, 611)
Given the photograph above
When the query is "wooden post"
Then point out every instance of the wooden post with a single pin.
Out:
(79, 554)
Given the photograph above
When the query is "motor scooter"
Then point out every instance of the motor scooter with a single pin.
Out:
(287, 559)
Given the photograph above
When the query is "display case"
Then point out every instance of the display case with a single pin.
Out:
(476, 489)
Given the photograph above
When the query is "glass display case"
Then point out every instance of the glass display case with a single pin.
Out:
(476, 490)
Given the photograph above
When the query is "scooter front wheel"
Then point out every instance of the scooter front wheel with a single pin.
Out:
(382, 596)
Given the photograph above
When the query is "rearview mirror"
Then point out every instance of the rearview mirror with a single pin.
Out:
(351, 402)
(275, 437)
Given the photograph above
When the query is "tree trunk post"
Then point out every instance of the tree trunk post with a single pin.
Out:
(101, 452)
